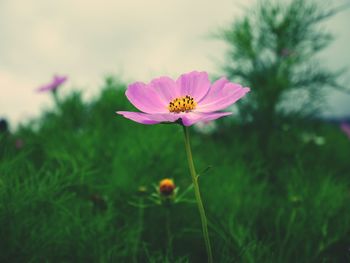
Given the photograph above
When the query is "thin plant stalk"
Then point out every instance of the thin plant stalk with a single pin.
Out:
(168, 231)
(55, 97)
(139, 231)
(194, 177)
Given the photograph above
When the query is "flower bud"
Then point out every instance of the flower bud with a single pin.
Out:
(142, 191)
(166, 187)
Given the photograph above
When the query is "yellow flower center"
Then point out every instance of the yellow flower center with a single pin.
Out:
(182, 104)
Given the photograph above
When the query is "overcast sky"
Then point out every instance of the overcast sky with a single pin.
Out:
(137, 40)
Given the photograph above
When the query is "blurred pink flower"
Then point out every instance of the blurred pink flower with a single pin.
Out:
(345, 127)
(56, 82)
(19, 144)
(189, 99)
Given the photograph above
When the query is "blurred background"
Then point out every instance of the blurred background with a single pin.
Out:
(135, 40)
(80, 184)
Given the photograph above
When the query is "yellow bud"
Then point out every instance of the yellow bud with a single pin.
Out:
(166, 187)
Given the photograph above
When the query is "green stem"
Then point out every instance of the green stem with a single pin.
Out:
(139, 231)
(55, 97)
(197, 194)
(168, 232)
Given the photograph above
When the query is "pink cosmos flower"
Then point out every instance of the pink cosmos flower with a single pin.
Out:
(188, 100)
(345, 127)
(56, 82)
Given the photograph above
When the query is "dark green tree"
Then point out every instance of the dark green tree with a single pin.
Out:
(273, 49)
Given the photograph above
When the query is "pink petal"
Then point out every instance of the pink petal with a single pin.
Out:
(195, 84)
(345, 128)
(221, 95)
(191, 118)
(146, 118)
(216, 88)
(145, 98)
(166, 89)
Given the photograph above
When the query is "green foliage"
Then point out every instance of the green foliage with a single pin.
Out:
(273, 50)
(65, 195)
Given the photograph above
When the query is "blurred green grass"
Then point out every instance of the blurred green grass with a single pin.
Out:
(65, 195)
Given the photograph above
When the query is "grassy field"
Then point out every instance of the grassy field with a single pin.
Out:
(70, 193)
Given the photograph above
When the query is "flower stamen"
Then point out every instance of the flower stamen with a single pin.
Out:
(182, 104)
